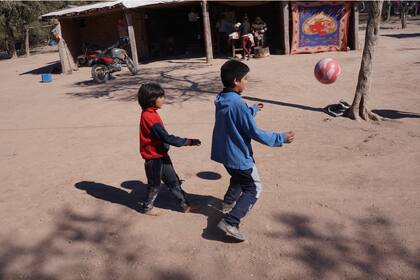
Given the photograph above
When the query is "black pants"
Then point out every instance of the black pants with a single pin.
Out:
(244, 190)
(158, 170)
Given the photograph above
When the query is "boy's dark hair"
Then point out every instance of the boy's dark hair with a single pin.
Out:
(232, 70)
(148, 93)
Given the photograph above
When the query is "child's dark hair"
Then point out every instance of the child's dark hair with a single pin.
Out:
(232, 70)
(148, 93)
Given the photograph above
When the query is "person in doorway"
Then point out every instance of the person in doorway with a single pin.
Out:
(193, 18)
(259, 29)
(246, 37)
(223, 29)
(122, 32)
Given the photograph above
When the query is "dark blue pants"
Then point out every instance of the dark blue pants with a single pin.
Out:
(161, 169)
(244, 189)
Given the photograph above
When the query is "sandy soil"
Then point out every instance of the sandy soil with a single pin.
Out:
(341, 202)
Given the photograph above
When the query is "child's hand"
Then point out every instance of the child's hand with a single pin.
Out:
(260, 106)
(290, 136)
(194, 142)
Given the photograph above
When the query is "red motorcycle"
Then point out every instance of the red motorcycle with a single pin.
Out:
(110, 61)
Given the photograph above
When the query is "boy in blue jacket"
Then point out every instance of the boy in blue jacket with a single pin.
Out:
(231, 145)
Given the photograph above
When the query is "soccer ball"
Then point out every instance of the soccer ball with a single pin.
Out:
(327, 70)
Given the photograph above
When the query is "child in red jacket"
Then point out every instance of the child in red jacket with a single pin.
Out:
(154, 147)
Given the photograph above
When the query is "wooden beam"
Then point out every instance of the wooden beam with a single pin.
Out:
(132, 36)
(27, 41)
(69, 57)
(355, 28)
(285, 26)
(65, 65)
(207, 32)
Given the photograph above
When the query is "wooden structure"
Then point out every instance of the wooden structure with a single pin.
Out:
(207, 32)
(285, 26)
(129, 18)
(160, 28)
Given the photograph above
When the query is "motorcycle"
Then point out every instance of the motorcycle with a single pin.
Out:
(87, 57)
(110, 61)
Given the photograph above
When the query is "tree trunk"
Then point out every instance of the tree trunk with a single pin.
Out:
(207, 32)
(359, 108)
(11, 40)
(403, 15)
(12, 48)
(27, 41)
(387, 5)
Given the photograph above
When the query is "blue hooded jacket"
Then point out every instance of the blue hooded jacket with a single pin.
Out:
(233, 130)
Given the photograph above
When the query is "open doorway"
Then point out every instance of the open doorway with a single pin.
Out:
(175, 31)
(234, 11)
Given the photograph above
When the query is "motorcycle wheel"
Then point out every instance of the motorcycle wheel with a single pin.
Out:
(81, 61)
(130, 64)
(100, 73)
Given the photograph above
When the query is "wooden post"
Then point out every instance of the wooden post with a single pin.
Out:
(387, 6)
(132, 36)
(403, 12)
(65, 65)
(27, 41)
(69, 57)
(207, 32)
(355, 28)
(285, 28)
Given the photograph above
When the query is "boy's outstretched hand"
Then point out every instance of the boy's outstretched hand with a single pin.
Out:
(194, 142)
(290, 136)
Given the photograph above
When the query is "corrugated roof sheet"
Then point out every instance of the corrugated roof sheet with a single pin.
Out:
(140, 3)
(129, 4)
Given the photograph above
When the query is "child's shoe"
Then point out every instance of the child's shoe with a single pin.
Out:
(230, 230)
(226, 207)
(185, 207)
(148, 209)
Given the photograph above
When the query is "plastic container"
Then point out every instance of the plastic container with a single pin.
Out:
(46, 78)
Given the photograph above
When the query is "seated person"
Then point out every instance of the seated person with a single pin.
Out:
(259, 27)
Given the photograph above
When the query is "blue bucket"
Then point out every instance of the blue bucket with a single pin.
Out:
(46, 78)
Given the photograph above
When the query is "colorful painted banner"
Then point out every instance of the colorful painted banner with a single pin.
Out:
(320, 26)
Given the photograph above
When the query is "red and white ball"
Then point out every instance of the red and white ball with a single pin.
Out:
(327, 70)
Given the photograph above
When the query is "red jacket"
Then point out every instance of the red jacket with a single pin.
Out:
(154, 139)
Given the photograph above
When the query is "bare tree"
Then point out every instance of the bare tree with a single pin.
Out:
(387, 7)
(359, 108)
(403, 12)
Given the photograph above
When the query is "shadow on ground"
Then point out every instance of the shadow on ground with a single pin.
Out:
(205, 205)
(137, 193)
(395, 114)
(52, 67)
(402, 35)
(182, 82)
(372, 251)
(82, 246)
(386, 113)
(280, 103)
(209, 175)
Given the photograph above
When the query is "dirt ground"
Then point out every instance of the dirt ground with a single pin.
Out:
(341, 202)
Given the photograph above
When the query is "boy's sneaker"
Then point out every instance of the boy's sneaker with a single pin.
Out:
(185, 207)
(230, 230)
(226, 207)
(148, 210)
